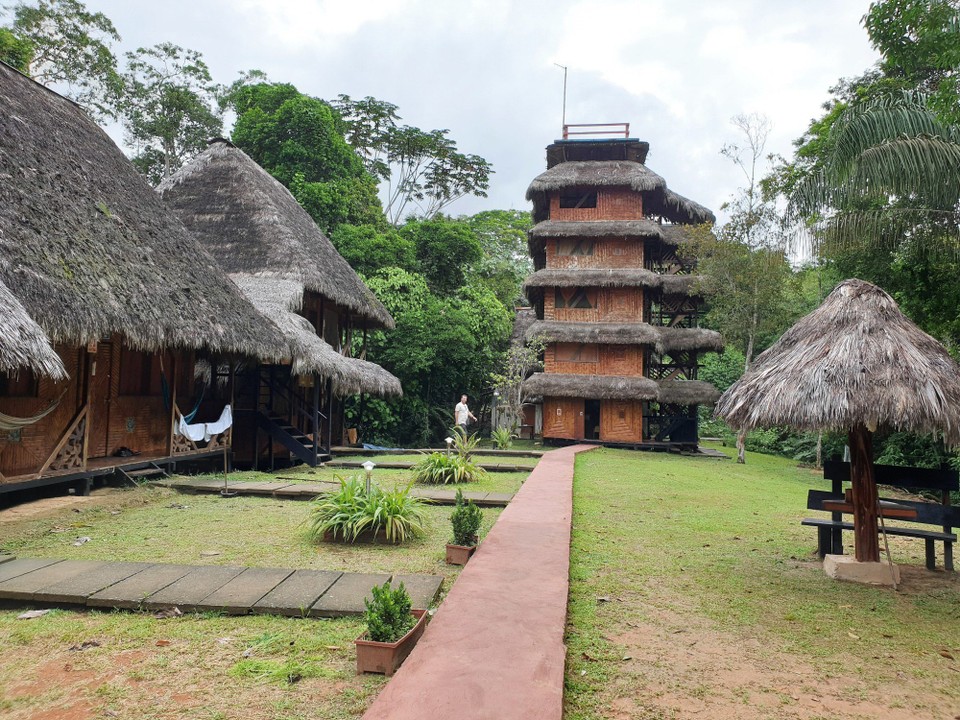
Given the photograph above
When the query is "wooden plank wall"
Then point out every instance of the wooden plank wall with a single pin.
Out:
(613, 203)
(623, 360)
(623, 304)
(28, 453)
(621, 421)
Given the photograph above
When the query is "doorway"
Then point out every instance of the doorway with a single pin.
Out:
(591, 419)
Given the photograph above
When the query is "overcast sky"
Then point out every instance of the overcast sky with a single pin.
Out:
(676, 70)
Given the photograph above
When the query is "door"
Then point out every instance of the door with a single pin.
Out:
(563, 418)
(621, 421)
(101, 369)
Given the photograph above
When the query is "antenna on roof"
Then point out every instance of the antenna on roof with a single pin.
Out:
(564, 120)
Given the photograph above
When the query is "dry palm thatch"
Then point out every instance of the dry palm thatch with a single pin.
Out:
(280, 300)
(253, 226)
(664, 339)
(521, 323)
(857, 360)
(23, 343)
(90, 250)
(595, 387)
(629, 229)
(675, 208)
(596, 173)
(686, 392)
(608, 277)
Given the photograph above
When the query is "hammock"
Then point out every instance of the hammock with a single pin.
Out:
(205, 431)
(9, 422)
(165, 386)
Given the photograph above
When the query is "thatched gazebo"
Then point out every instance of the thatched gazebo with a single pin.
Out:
(855, 364)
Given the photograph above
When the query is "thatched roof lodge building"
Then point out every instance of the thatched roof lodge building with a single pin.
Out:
(613, 296)
(92, 259)
(271, 247)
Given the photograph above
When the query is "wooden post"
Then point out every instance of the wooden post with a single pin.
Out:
(866, 542)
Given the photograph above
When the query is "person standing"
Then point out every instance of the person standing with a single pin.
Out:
(462, 414)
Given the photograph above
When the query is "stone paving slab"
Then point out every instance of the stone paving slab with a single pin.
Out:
(88, 582)
(27, 585)
(190, 590)
(4, 557)
(21, 566)
(259, 488)
(129, 594)
(304, 490)
(240, 593)
(423, 589)
(346, 595)
(295, 595)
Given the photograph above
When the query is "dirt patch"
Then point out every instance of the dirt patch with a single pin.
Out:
(46, 507)
(680, 665)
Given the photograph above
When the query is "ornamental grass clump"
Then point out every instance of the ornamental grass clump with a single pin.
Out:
(502, 438)
(465, 519)
(388, 614)
(438, 468)
(350, 511)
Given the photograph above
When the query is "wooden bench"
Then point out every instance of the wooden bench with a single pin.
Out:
(942, 514)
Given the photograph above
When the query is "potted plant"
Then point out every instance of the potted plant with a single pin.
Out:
(393, 628)
(465, 519)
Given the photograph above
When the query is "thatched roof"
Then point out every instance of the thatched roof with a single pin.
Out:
(23, 344)
(252, 225)
(676, 209)
(90, 250)
(615, 387)
(607, 277)
(596, 173)
(526, 316)
(664, 339)
(855, 360)
(310, 354)
(631, 229)
(595, 387)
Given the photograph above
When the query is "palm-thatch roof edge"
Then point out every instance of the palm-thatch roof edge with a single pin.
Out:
(616, 387)
(855, 360)
(664, 339)
(23, 344)
(89, 250)
(252, 224)
(596, 229)
(596, 173)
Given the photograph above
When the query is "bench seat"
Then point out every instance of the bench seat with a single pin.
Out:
(825, 537)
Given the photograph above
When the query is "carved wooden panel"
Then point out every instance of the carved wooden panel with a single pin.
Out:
(70, 456)
(563, 418)
(621, 421)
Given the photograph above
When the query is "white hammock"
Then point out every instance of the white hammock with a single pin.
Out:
(205, 431)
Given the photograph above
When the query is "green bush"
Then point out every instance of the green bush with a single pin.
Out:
(349, 511)
(464, 444)
(388, 613)
(465, 518)
(502, 439)
(438, 468)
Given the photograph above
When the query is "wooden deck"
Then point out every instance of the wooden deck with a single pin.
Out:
(199, 588)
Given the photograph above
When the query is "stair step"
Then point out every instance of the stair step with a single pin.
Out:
(145, 472)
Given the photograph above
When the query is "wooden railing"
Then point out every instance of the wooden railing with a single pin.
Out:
(619, 129)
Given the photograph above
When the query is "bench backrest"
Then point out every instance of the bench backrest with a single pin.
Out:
(928, 513)
(900, 477)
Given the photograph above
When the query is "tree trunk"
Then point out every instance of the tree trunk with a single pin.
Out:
(741, 446)
(819, 465)
(866, 542)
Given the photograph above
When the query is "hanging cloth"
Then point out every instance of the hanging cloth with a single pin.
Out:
(205, 431)
(9, 422)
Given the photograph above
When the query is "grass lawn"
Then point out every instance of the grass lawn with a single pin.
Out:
(695, 592)
(130, 665)
(477, 457)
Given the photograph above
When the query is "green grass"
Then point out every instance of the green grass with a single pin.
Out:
(477, 457)
(662, 538)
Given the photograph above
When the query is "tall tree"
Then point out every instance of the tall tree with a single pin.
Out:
(299, 140)
(423, 170)
(506, 261)
(72, 47)
(15, 51)
(169, 109)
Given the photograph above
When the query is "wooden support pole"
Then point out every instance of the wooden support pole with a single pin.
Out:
(866, 542)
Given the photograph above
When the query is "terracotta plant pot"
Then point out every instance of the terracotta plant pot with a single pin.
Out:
(459, 554)
(385, 658)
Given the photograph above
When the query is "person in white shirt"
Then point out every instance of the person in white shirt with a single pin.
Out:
(461, 414)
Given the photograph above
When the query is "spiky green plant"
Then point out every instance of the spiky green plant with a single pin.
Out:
(438, 468)
(502, 438)
(465, 444)
(349, 511)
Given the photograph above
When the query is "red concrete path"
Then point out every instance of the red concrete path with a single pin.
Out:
(494, 650)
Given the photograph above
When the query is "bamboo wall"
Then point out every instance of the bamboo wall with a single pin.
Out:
(623, 304)
(563, 418)
(621, 421)
(580, 359)
(613, 203)
(606, 253)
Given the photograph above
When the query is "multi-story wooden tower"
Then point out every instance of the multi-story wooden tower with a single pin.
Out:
(614, 297)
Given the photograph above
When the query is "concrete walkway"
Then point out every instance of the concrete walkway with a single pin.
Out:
(199, 588)
(308, 491)
(406, 465)
(495, 647)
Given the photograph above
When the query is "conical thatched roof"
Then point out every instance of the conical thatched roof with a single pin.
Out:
(279, 300)
(252, 225)
(855, 360)
(23, 344)
(596, 173)
(89, 249)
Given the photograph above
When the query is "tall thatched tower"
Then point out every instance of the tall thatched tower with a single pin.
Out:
(612, 291)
